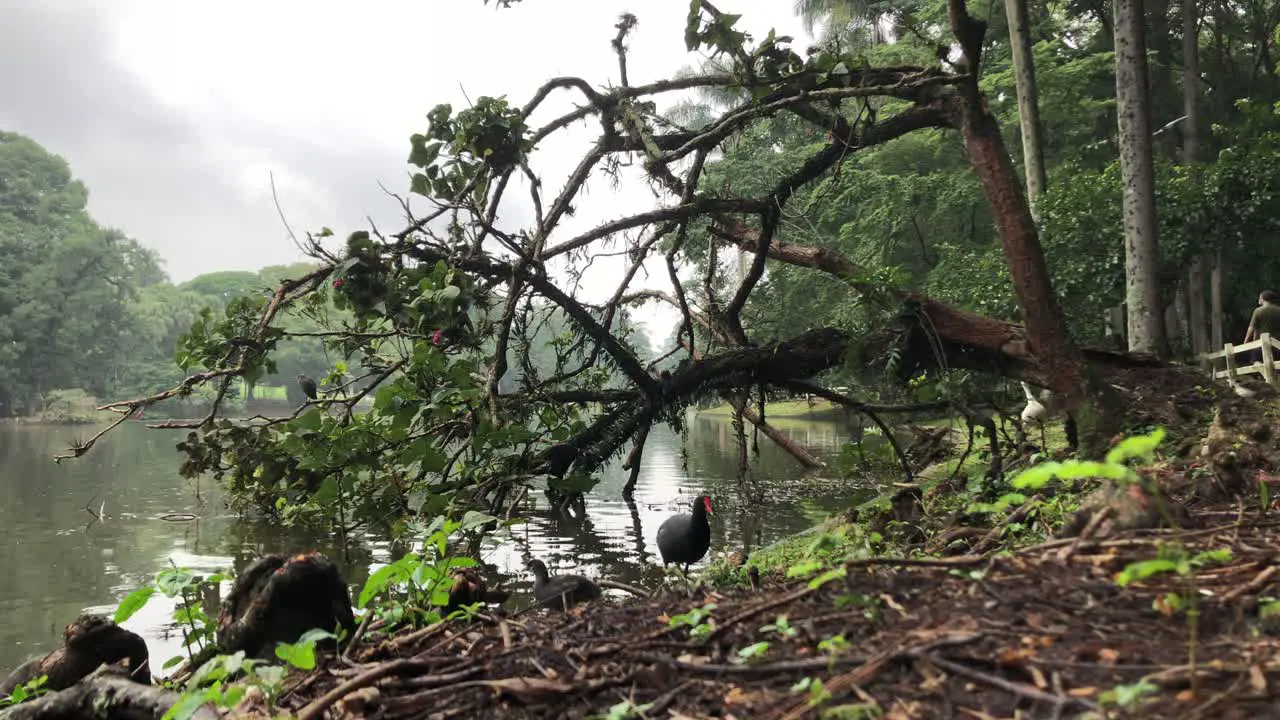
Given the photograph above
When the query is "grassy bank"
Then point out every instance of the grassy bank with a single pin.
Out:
(845, 535)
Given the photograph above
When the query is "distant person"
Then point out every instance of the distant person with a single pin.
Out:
(1265, 319)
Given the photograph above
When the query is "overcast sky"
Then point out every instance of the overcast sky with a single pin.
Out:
(174, 113)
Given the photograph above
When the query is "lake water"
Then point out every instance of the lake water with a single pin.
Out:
(58, 560)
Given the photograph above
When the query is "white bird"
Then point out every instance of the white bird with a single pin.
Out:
(1035, 413)
(1241, 390)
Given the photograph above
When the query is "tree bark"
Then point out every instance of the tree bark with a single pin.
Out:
(1133, 98)
(1046, 330)
(1182, 320)
(1195, 296)
(1163, 100)
(1190, 81)
(1024, 75)
(104, 694)
(1215, 302)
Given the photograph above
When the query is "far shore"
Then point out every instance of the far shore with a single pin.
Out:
(796, 409)
(93, 416)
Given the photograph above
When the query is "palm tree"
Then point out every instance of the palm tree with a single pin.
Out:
(856, 22)
(709, 102)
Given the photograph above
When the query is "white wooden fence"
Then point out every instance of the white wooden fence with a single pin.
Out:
(1227, 358)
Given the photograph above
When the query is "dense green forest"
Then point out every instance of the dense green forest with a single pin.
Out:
(911, 212)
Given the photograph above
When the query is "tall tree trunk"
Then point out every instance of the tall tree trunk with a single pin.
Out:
(1024, 75)
(1195, 296)
(1133, 97)
(1190, 151)
(1176, 321)
(1215, 301)
(1046, 329)
(1190, 81)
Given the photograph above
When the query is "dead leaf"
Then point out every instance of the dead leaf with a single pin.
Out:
(1186, 695)
(738, 696)
(1082, 692)
(1257, 680)
(893, 604)
(1038, 677)
(529, 686)
(903, 710)
(1098, 560)
(1109, 656)
(1041, 640)
(1015, 657)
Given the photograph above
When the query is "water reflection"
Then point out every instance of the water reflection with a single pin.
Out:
(59, 561)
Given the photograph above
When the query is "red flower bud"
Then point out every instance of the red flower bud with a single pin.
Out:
(435, 337)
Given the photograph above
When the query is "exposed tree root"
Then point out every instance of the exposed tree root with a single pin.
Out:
(106, 694)
(90, 641)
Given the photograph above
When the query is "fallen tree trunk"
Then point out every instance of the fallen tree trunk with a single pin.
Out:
(799, 358)
(278, 598)
(937, 335)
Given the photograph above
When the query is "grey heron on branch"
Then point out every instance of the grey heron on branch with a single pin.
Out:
(308, 386)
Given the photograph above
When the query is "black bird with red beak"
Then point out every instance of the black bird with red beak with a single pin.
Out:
(685, 538)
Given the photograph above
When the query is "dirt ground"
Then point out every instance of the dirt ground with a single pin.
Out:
(1044, 632)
